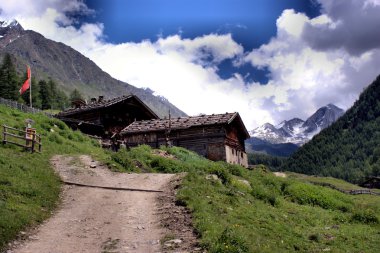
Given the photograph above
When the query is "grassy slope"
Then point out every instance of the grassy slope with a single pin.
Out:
(29, 188)
(270, 214)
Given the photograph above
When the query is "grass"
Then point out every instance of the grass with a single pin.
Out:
(339, 183)
(254, 211)
(234, 209)
(29, 188)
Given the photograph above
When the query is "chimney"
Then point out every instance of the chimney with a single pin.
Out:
(100, 100)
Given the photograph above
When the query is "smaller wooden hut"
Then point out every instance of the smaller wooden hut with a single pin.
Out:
(371, 182)
(105, 118)
(216, 137)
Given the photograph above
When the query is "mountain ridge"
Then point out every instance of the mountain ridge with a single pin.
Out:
(349, 148)
(296, 130)
(286, 137)
(70, 69)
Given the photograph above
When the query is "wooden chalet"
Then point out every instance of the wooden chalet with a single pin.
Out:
(216, 137)
(371, 182)
(106, 118)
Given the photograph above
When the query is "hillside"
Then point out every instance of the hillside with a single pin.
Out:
(349, 148)
(238, 210)
(230, 205)
(70, 69)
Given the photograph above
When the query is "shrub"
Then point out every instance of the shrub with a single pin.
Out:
(365, 216)
(260, 192)
(307, 194)
(54, 137)
(222, 173)
(230, 242)
(122, 158)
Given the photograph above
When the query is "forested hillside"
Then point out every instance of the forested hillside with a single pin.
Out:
(45, 93)
(348, 149)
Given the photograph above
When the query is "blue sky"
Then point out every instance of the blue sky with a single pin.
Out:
(250, 22)
(270, 60)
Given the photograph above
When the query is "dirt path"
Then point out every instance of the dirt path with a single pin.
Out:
(99, 220)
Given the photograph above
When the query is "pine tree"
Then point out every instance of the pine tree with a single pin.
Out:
(9, 81)
(59, 99)
(76, 95)
(45, 95)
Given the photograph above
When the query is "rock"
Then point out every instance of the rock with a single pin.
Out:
(33, 237)
(154, 242)
(173, 243)
(92, 166)
(243, 181)
(212, 177)
(140, 227)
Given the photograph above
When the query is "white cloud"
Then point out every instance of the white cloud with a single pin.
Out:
(290, 22)
(302, 77)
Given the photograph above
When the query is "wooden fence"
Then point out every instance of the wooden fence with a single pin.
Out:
(26, 139)
(352, 192)
(22, 107)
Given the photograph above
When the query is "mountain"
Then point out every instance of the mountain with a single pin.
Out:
(294, 132)
(256, 145)
(350, 147)
(69, 68)
(321, 119)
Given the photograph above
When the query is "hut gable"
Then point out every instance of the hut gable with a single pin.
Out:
(106, 118)
(216, 136)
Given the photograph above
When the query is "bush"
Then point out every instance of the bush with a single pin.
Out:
(230, 242)
(122, 158)
(54, 137)
(365, 216)
(222, 173)
(307, 194)
(262, 193)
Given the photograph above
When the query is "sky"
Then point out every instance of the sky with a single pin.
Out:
(269, 60)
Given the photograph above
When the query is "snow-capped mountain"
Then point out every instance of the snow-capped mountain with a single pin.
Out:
(296, 130)
(9, 31)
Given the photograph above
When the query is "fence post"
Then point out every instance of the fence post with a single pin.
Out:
(5, 135)
(33, 141)
(40, 144)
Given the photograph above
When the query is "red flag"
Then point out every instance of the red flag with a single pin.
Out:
(26, 84)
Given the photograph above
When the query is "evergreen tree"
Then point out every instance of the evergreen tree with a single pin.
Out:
(76, 95)
(9, 81)
(59, 99)
(45, 95)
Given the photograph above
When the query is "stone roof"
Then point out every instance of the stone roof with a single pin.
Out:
(101, 104)
(182, 123)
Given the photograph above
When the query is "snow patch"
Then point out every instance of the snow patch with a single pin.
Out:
(8, 23)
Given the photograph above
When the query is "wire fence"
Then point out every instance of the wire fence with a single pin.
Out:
(22, 107)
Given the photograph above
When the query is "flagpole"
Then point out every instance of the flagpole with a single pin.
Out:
(30, 88)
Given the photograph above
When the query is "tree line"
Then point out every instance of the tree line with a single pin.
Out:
(45, 93)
